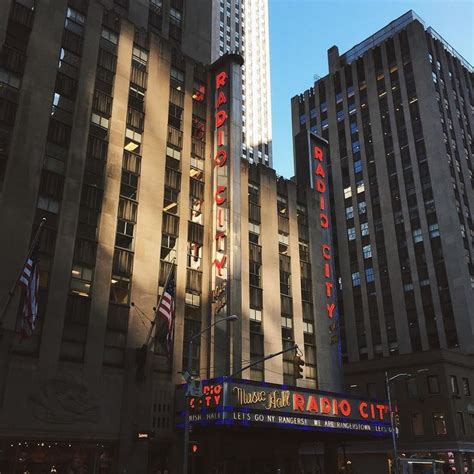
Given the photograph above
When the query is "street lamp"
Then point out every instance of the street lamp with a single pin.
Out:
(388, 381)
(187, 376)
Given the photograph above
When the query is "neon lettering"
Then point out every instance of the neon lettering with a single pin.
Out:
(221, 99)
(320, 186)
(323, 218)
(326, 252)
(217, 195)
(221, 117)
(220, 264)
(221, 158)
(221, 79)
(318, 153)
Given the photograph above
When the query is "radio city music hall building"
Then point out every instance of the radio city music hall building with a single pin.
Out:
(115, 129)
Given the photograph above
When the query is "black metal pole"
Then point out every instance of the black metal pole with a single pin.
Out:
(392, 425)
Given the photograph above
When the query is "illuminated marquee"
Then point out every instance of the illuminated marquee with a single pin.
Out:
(249, 403)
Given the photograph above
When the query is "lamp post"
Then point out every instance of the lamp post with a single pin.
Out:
(187, 374)
(388, 381)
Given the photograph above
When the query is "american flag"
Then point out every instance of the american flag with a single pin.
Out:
(166, 311)
(30, 281)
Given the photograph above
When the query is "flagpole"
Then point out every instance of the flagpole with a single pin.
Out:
(13, 288)
(153, 323)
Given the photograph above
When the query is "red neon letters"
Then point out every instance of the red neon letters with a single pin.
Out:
(321, 187)
(220, 160)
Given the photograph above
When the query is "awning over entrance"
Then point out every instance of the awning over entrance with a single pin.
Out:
(245, 403)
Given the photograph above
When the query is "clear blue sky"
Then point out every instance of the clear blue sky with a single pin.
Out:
(301, 32)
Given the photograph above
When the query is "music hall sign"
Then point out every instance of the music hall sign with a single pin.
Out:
(260, 404)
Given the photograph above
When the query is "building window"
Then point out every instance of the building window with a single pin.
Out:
(349, 212)
(48, 204)
(360, 186)
(367, 251)
(286, 322)
(358, 166)
(177, 79)
(255, 314)
(454, 384)
(175, 17)
(439, 423)
(302, 119)
(119, 289)
(417, 424)
(282, 205)
(109, 36)
(356, 279)
(81, 278)
(412, 388)
(347, 192)
(364, 228)
(369, 275)
(434, 230)
(140, 55)
(124, 236)
(99, 120)
(169, 245)
(465, 386)
(308, 328)
(170, 202)
(351, 233)
(193, 299)
(433, 384)
(362, 207)
(417, 236)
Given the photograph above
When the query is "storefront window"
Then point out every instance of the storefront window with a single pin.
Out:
(48, 456)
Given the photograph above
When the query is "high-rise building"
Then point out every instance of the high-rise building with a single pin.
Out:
(397, 110)
(242, 26)
(115, 129)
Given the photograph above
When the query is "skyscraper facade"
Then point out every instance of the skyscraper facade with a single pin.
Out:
(115, 128)
(242, 26)
(397, 110)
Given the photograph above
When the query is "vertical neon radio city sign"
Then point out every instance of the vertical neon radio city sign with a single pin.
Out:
(220, 192)
(320, 180)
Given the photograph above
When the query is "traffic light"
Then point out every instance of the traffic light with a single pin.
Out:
(298, 364)
(194, 448)
(396, 420)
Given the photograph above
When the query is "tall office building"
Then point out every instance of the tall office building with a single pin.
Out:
(397, 110)
(242, 26)
(131, 151)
